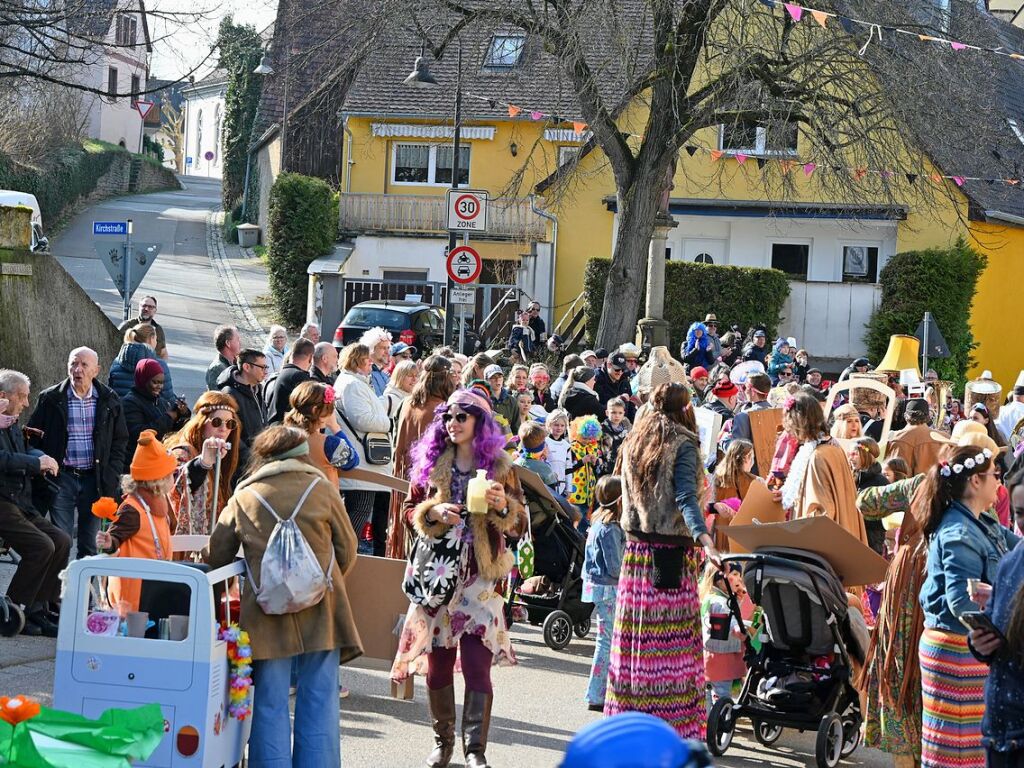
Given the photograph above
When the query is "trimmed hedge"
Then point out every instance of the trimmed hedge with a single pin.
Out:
(58, 182)
(942, 281)
(302, 226)
(743, 296)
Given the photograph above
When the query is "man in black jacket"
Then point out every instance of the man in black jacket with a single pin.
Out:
(279, 389)
(42, 546)
(83, 428)
(612, 381)
(244, 382)
(325, 363)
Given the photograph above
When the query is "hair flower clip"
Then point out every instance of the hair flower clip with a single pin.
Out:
(945, 471)
(788, 403)
(329, 395)
(985, 454)
(958, 468)
(969, 463)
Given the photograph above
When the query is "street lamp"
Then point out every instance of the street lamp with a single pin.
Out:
(420, 77)
(264, 68)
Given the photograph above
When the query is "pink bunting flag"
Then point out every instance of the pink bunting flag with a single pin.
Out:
(886, 174)
(535, 115)
(958, 46)
(959, 180)
(821, 17)
(810, 168)
(794, 10)
(741, 158)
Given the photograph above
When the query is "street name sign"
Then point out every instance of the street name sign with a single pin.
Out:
(110, 228)
(467, 210)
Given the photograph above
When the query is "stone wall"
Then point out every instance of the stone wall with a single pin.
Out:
(117, 180)
(39, 302)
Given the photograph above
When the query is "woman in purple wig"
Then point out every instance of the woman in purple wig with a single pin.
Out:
(462, 439)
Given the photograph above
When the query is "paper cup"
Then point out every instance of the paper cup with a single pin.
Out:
(179, 627)
(137, 621)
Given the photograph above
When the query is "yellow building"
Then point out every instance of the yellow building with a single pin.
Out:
(553, 206)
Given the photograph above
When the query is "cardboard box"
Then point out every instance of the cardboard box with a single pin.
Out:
(374, 587)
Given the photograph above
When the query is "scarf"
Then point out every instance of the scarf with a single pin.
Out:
(797, 470)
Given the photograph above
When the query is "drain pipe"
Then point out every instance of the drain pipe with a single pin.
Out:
(554, 258)
(348, 152)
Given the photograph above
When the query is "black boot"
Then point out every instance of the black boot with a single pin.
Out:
(442, 716)
(476, 722)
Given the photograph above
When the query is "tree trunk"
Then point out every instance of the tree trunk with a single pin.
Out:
(627, 278)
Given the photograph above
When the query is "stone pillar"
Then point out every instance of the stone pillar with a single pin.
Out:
(15, 227)
(653, 329)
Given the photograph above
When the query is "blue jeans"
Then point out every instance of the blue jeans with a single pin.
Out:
(597, 685)
(77, 494)
(317, 742)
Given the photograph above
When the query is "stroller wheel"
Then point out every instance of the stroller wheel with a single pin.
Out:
(557, 630)
(851, 739)
(828, 749)
(766, 733)
(582, 629)
(12, 618)
(721, 726)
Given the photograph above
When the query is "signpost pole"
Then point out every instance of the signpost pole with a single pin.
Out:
(924, 346)
(456, 141)
(126, 309)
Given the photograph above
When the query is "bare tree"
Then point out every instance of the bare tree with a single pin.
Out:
(39, 117)
(174, 127)
(651, 77)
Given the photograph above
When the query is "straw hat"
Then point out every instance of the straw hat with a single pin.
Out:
(660, 368)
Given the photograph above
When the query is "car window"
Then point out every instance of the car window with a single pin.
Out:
(374, 316)
(428, 322)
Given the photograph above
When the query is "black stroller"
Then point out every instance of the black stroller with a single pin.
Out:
(558, 556)
(801, 676)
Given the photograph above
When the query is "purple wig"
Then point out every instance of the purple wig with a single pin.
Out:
(488, 442)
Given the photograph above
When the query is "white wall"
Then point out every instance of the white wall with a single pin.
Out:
(372, 255)
(204, 120)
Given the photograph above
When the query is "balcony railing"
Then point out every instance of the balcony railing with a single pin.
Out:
(425, 214)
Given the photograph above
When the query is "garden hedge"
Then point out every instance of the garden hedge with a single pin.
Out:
(743, 296)
(301, 227)
(58, 182)
(940, 280)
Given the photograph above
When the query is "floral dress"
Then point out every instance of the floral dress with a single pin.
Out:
(476, 607)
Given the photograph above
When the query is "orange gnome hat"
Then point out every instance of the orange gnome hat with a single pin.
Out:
(151, 460)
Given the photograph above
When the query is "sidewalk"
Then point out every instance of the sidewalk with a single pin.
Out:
(243, 280)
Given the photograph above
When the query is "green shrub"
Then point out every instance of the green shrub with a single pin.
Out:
(61, 179)
(743, 296)
(300, 228)
(941, 281)
(230, 228)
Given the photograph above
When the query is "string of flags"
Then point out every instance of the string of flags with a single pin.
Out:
(787, 164)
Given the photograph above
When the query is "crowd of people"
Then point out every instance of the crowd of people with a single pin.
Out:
(616, 434)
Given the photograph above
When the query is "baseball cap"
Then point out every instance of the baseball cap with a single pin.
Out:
(601, 353)
(725, 388)
(400, 346)
(493, 370)
(760, 334)
(587, 353)
(617, 361)
(700, 372)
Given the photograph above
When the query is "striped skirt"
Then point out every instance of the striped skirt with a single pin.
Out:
(657, 653)
(953, 698)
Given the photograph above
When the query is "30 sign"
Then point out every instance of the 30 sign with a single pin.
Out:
(467, 210)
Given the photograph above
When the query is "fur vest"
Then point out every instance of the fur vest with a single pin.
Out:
(649, 503)
(493, 560)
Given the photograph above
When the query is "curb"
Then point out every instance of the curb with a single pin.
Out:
(235, 299)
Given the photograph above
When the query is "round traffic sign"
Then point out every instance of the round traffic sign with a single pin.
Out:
(467, 207)
(464, 264)
(209, 155)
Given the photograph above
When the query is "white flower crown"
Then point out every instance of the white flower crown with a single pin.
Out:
(948, 470)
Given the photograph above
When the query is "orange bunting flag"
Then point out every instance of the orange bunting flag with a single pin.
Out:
(579, 128)
(787, 165)
(820, 16)
(937, 178)
(513, 110)
(927, 39)
(716, 154)
(1013, 182)
(860, 173)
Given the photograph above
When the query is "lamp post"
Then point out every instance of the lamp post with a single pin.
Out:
(263, 70)
(420, 77)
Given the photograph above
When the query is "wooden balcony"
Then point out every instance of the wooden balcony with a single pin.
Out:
(507, 218)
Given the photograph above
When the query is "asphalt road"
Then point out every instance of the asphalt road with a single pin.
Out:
(190, 301)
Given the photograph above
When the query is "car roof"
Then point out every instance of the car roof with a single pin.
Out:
(398, 306)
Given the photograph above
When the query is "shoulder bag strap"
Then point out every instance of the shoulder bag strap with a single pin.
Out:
(355, 432)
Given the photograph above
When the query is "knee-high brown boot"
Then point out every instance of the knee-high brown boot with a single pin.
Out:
(442, 717)
(476, 722)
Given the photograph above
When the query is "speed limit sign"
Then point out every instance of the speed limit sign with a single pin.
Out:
(467, 210)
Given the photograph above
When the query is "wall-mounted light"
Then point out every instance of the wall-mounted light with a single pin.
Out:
(513, 148)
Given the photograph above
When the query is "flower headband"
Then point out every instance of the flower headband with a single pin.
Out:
(948, 470)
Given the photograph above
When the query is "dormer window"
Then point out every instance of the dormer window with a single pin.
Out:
(505, 51)
(127, 30)
(1017, 131)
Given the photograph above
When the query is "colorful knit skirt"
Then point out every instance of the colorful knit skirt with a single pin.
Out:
(953, 695)
(657, 655)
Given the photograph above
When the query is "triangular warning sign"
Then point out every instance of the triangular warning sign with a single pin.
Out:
(144, 107)
(937, 346)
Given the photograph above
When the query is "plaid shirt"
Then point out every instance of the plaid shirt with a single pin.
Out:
(81, 421)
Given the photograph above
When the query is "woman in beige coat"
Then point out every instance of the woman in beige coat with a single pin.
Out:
(316, 639)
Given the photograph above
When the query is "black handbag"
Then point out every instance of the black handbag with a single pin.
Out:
(376, 445)
(433, 570)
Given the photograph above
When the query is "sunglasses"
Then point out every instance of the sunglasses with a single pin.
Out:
(459, 417)
(218, 422)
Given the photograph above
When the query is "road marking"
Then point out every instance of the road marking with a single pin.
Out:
(245, 318)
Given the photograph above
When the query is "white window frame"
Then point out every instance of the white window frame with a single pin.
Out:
(126, 30)
(841, 259)
(431, 163)
(760, 149)
(489, 62)
(1015, 126)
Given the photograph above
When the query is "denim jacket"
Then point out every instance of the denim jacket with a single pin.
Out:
(962, 547)
(1003, 725)
(603, 559)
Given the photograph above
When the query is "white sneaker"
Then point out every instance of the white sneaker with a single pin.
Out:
(343, 692)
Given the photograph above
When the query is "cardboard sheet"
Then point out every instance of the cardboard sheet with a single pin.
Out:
(374, 587)
(757, 505)
(855, 563)
(385, 481)
(764, 429)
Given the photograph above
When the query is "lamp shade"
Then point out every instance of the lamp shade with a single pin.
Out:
(902, 354)
(420, 77)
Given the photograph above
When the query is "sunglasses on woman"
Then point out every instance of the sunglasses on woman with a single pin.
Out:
(459, 417)
(218, 422)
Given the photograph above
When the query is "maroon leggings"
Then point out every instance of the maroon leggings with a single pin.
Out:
(476, 666)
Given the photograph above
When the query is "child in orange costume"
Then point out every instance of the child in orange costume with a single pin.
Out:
(143, 526)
